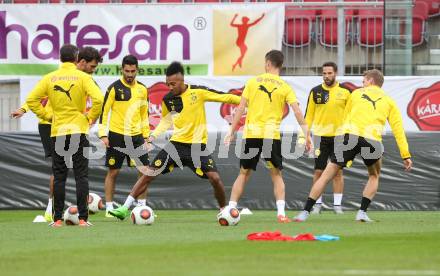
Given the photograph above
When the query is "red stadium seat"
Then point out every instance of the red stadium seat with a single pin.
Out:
(97, 1)
(433, 6)
(370, 27)
(420, 15)
(26, 1)
(298, 27)
(328, 27)
(133, 1)
(169, 1)
(206, 1)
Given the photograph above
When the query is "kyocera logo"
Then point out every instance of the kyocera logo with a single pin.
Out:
(131, 35)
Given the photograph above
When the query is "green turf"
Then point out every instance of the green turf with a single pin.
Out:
(191, 243)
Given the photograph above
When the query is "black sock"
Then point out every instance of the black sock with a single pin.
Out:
(309, 204)
(365, 203)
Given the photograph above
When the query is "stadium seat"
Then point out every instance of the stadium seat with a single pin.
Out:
(169, 1)
(328, 27)
(370, 27)
(433, 6)
(298, 27)
(278, 1)
(97, 1)
(206, 1)
(420, 15)
(133, 1)
(26, 1)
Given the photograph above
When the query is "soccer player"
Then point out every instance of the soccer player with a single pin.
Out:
(67, 89)
(324, 115)
(365, 115)
(88, 60)
(265, 97)
(128, 101)
(183, 108)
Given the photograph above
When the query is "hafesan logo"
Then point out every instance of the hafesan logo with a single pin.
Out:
(424, 107)
(241, 39)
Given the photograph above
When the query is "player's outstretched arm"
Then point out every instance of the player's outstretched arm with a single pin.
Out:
(222, 97)
(237, 116)
(19, 112)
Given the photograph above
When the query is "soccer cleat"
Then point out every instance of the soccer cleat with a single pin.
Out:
(302, 216)
(283, 219)
(107, 214)
(120, 213)
(338, 210)
(362, 216)
(48, 217)
(317, 209)
(57, 223)
(84, 223)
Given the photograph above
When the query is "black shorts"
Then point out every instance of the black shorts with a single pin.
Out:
(370, 150)
(114, 158)
(44, 130)
(324, 150)
(268, 149)
(179, 154)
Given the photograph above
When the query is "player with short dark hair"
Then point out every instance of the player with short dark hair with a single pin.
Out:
(67, 89)
(127, 99)
(324, 116)
(88, 60)
(366, 112)
(265, 97)
(183, 108)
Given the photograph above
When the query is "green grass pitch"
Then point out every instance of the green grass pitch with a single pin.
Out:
(192, 243)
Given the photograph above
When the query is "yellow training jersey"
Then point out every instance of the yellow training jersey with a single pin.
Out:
(366, 113)
(325, 109)
(67, 89)
(266, 96)
(186, 113)
(45, 103)
(129, 109)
